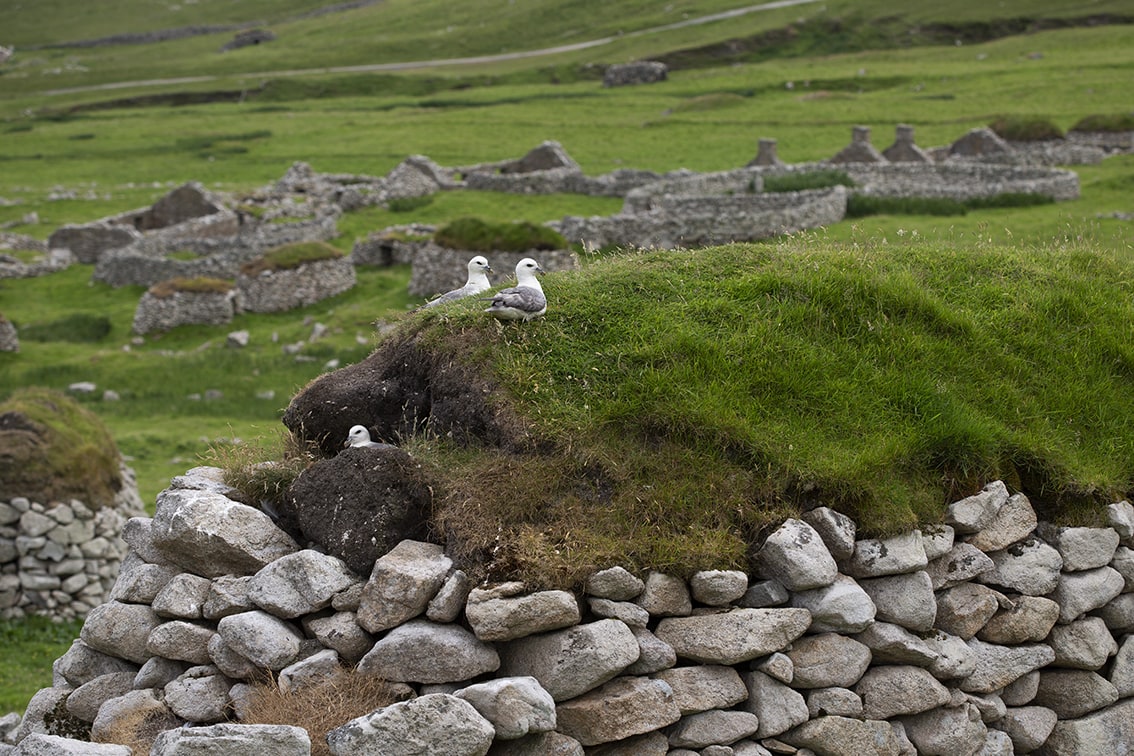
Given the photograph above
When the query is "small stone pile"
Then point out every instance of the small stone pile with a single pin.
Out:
(632, 74)
(60, 560)
(9, 338)
(991, 634)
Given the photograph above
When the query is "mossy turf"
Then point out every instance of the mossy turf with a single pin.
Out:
(692, 399)
(52, 448)
(291, 256)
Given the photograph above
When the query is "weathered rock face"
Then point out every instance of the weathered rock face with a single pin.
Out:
(643, 666)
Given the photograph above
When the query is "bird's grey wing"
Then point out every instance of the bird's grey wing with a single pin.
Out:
(522, 298)
(449, 296)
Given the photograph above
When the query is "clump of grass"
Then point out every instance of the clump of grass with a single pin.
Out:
(77, 328)
(262, 473)
(290, 256)
(476, 235)
(408, 204)
(139, 728)
(196, 285)
(798, 182)
(862, 205)
(52, 448)
(1025, 129)
(1108, 122)
(322, 706)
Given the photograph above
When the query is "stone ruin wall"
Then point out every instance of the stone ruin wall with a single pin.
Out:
(61, 559)
(146, 262)
(669, 221)
(279, 290)
(993, 634)
(960, 180)
(157, 313)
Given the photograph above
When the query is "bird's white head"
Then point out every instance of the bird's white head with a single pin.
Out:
(358, 436)
(479, 264)
(526, 270)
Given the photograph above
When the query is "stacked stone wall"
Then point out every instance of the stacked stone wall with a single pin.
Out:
(60, 559)
(956, 179)
(992, 633)
(279, 290)
(161, 313)
(669, 221)
(146, 263)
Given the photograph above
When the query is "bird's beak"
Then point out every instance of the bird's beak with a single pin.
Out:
(346, 443)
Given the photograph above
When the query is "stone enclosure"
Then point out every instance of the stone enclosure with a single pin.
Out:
(992, 634)
(192, 232)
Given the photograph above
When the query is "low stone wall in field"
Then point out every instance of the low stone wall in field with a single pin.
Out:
(61, 559)
(161, 313)
(668, 220)
(960, 180)
(147, 262)
(279, 290)
(990, 634)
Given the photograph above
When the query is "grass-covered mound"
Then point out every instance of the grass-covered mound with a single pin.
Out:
(52, 449)
(688, 400)
(1105, 122)
(290, 256)
(479, 235)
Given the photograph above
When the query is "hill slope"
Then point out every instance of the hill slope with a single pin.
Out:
(673, 405)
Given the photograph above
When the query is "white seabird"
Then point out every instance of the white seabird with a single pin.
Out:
(476, 283)
(525, 300)
(359, 436)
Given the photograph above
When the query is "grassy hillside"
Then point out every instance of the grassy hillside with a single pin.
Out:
(695, 398)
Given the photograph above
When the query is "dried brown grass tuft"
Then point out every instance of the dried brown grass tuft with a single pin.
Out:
(320, 707)
(138, 729)
(263, 471)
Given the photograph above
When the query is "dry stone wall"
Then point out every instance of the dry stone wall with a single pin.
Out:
(147, 262)
(990, 634)
(60, 559)
(668, 220)
(278, 290)
(9, 338)
(161, 313)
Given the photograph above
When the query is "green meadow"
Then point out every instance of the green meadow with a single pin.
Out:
(82, 135)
